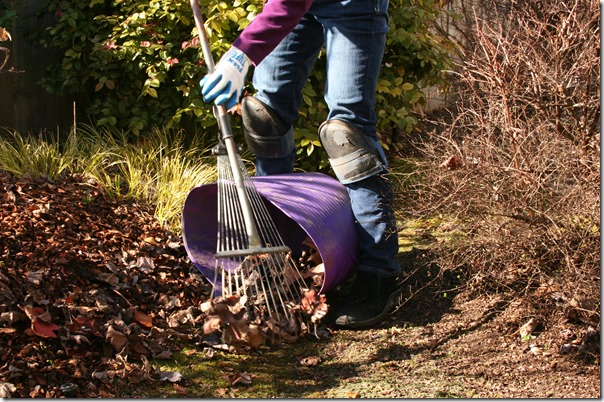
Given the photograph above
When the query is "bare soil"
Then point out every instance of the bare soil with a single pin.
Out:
(97, 300)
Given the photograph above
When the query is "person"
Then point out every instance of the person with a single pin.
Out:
(283, 43)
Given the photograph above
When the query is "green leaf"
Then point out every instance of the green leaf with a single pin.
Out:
(72, 53)
(151, 92)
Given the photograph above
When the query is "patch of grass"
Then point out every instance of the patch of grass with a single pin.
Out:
(422, 233)
(177, 173)
(41, 156)
(161, 170)
(275, 373)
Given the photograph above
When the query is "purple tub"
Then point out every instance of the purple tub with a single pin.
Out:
(300, 204)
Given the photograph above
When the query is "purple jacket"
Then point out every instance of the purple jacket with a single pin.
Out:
(277, 19)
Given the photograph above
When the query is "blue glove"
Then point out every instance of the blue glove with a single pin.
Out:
(225, 85)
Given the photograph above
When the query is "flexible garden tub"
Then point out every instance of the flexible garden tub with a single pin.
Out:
(302, 205)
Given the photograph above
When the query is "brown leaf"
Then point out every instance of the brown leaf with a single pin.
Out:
(528, 328)
(211, 325)
(180, 317)
(40, 321)
(108, 277)
(151, 241)
(116, 338)
(280, 332)
(205, 306)
(452, 163)
(145, 264)
(315, 258)
(180, 389)
(320, 310)
(290, 274)
(143, 319)
(317, 269)
(79, 339)
(308, 300)
(237, 377)
(105, 394)
(255, 337)
(138, 347)
(6, 387)
(36, 277)
(310, 361)
(43, 329)
(4, 35)
(222, 392)
(36, 312)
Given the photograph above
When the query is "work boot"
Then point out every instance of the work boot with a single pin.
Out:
(370, 299)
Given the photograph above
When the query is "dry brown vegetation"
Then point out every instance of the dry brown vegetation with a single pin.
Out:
(516, 160)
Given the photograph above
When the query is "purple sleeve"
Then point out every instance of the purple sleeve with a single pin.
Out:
(277, 19)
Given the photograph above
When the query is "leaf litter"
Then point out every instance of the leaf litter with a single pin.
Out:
(98, 288)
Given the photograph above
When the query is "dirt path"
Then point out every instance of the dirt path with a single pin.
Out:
(469, 350)
(461, 348)
(432, 347)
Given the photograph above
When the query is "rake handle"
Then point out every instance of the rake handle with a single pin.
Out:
(220, 111)
(224, 124)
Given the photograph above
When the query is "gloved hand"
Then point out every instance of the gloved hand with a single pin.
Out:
(225, 84)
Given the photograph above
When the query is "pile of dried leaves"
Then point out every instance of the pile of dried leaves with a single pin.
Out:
(270, 298)
(91, 289)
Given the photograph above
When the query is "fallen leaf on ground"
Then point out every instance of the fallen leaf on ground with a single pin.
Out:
(238, 378)
(171, 376)
(6, 388)
(116, 338)
(310, 361)
(452, 163)
(143, 319)
(40, 322)
(528, 328)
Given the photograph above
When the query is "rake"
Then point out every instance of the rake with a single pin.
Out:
(252, 261)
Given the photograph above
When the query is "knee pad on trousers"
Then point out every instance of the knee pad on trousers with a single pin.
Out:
(265, 134)
(352, 156)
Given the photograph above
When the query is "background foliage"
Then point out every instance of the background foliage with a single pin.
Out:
(7, 14)
(136, 64)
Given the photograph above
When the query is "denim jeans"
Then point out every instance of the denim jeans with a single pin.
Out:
(353, 33)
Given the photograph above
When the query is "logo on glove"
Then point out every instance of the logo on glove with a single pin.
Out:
(238, 61)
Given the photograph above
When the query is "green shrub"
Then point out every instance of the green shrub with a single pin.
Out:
(7, 14)
(131, 63)
(136, 65)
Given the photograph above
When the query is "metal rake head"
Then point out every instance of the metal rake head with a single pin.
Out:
(258, 268)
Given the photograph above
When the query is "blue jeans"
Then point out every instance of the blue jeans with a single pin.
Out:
(353, 33)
